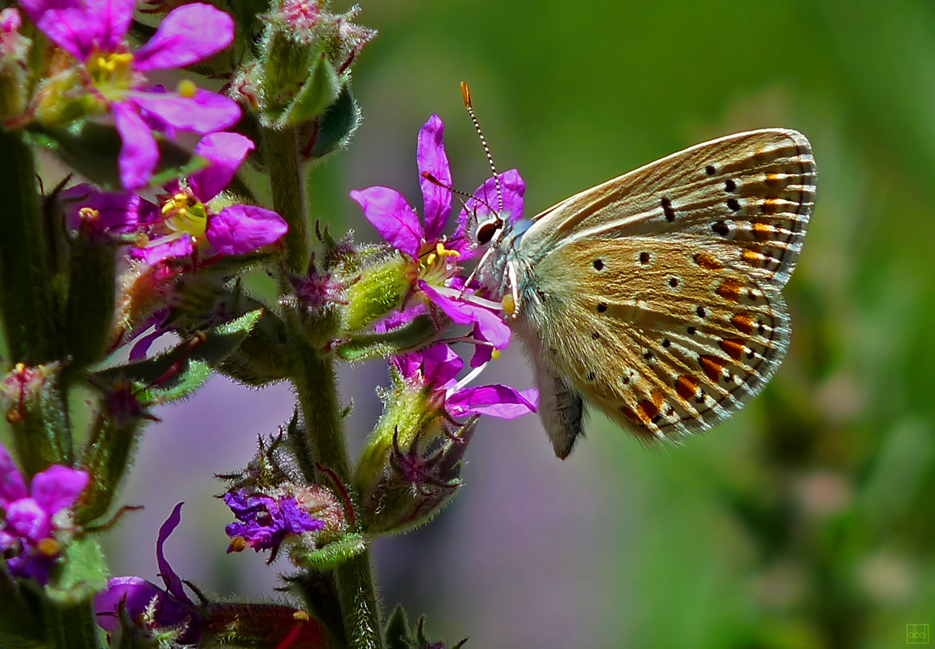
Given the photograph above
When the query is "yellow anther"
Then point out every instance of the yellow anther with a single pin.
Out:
(185, 213)
(509, 304)
(443, 252)
(88, 214)
(495, 353)
(301, 616)
(238, 544)
(430, 259)
(49, 547)
(187, 88)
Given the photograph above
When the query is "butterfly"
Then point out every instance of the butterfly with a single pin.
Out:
(656, 296)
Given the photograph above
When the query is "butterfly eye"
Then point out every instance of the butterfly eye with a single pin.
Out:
(486, 230)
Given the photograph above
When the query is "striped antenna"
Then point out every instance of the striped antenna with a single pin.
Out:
(466, 97)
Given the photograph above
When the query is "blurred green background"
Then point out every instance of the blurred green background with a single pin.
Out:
(806, 521)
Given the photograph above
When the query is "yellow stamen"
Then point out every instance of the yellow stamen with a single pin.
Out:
(111, 72)
(49, 547)
(495, 354)
(509, 304)
(187, 88)
(442, 252)
(238, 544)
(185, 213)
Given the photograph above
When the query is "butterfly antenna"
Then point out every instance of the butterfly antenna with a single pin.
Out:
(466, 97)
(457, 192)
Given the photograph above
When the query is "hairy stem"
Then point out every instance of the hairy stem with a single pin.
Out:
(317, 390)
(288, 187)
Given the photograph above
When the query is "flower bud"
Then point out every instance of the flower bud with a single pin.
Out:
(381, 287)
(30, 398)
(14, 50)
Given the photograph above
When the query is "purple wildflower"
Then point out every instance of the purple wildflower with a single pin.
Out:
(437, 367)
(36, 521)
(438, 277)
(184, 221)
(94, 31)
(266, 522)
(174, 607)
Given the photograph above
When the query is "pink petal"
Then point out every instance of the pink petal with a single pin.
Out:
(27, 519)
(139, 153)
(58, 487)
(170, 249)
(188, 34)
(206, 112)
(432, 158)
(495, 400)
(240, 229)
(392, 216)
(173, 581)
(225, 151)
(12, 485)
(489, 324)
(440, 365)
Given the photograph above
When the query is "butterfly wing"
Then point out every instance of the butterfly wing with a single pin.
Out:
(657, 294)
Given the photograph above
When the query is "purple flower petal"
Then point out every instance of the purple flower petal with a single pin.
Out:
(188, 34)
(138, 594)
(120, 212)
(440, 365)
(400, 318)
(171, 248)
(12, 484)
(206, 112)
(35, 8)
(139, 153)
(173, 581)
(28, 520)
(240, 229)
(432, 158)
(495, 400)
(225, 151)
(484, 202)
(392, 216)
(69, 28)
(58, 487)
(489, 324)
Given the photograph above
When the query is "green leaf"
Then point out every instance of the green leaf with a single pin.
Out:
(93, 150)
(316, 95)
(336, 125)
(335, 553)
(81, 575)
(397, 630)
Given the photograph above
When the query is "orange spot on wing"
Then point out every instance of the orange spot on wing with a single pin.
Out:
(770, 206)
(707, 262)
(753, 257)
(629, 414)
(773, 180)
(743, 322)
(729, 290)
(647, 410)
(734, 348)
(712, 366)
(686, 387)
(763, 231)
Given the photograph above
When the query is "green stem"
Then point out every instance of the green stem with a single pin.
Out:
(26, 294)
(288, 188)
(71, 626)
(317, 390)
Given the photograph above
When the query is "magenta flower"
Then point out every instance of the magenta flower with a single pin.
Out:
(439, 280)
(36, 521)
(174, 607)
(437, 367)
(266, 522)
(94, 31)
(183, 221)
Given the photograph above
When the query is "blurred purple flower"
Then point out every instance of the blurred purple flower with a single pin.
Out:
(266, 522)
(35, 519)
(94, 31)
(174, 606)
(439, 274)
(437, 367)
(183, 220)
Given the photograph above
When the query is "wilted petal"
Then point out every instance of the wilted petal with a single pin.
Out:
(392, 216)
(240, 229)
(58, 487)
(495, 400)
(138, 153)
(12, 485)
(188, 34)
(205, 112)
(225, 151)
(432, 159)
(172, 580)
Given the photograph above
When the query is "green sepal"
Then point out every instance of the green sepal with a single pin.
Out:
(93, 150)
(333, 129)
(319, 92)
(333, 554)
(39, 422)
(367, 346)
(81, 574)
(19, 628)
(381, 288)
(180, 371)
(89, 307)
(262, 358)
(397, 634)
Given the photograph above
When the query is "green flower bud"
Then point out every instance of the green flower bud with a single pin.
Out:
(382, 286)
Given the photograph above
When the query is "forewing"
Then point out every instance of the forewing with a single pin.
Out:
(655, 332)
(752, 193)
